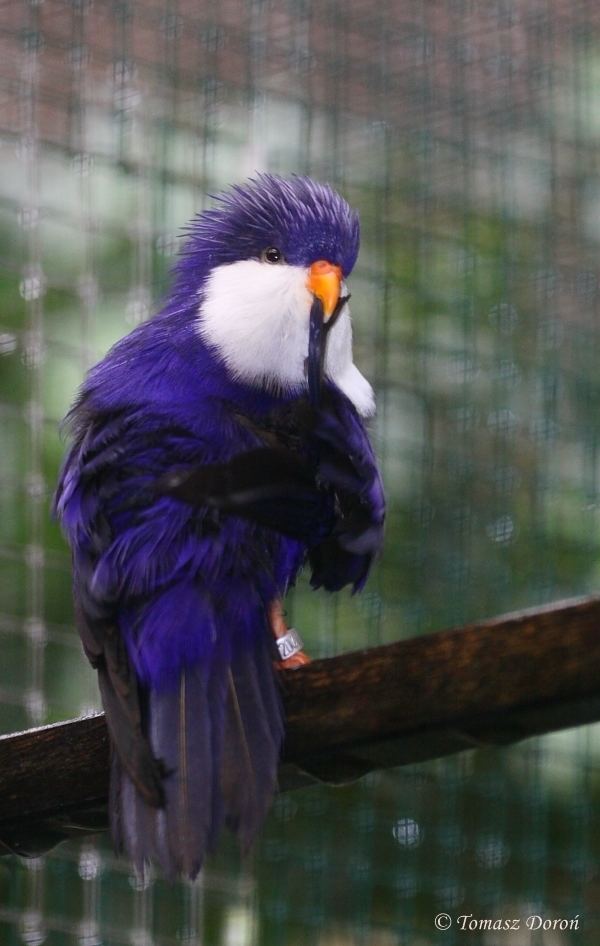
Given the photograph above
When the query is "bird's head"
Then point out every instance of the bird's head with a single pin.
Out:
(255, 262)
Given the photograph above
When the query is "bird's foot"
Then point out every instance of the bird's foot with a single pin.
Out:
(299, 659)
(289, 642)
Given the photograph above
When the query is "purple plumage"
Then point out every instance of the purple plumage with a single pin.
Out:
(199, 480)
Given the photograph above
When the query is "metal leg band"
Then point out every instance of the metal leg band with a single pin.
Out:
(290, 644)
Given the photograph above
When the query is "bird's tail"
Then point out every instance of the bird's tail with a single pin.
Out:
(217, 735)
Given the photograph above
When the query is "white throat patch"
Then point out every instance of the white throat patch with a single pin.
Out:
(256, 316)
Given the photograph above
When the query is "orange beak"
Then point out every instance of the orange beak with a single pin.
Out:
(325, 281)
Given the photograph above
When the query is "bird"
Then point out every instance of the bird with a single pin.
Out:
(215, 451)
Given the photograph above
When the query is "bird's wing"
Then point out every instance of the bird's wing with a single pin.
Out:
(171, 605)
(90, 489)
(314, 478)
(348, 466)
(270, 485)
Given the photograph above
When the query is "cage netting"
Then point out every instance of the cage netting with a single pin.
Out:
(467, 136)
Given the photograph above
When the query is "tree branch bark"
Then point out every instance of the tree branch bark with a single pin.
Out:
(487, 684)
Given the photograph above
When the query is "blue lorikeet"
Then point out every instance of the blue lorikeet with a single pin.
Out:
(215, 450)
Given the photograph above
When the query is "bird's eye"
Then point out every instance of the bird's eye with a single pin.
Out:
(271, 255)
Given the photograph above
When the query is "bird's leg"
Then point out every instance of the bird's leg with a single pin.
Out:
(288, 640)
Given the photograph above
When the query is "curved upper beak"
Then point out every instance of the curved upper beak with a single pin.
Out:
(325, 281)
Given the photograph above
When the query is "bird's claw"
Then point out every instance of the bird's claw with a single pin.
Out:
(300, 659)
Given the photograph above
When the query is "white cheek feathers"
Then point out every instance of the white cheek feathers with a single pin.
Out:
(340, 367)
(256, 317)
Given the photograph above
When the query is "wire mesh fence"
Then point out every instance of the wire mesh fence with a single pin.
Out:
(466, 135)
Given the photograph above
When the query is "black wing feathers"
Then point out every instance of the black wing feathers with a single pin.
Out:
(315, 480)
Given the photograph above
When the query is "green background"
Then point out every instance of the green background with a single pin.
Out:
(467, 137)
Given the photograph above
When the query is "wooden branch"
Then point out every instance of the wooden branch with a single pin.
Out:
(487, 684)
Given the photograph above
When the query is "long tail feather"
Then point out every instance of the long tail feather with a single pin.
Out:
(218, 735)
(253, 737)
